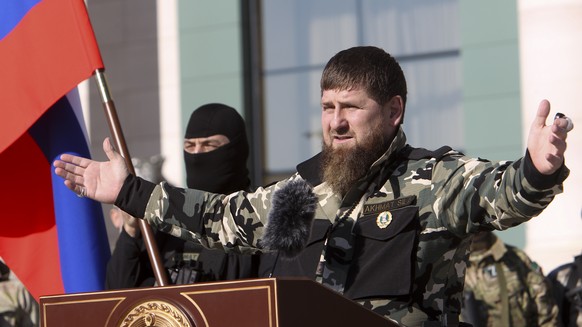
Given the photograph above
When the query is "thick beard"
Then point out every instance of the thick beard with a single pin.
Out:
(342, 167)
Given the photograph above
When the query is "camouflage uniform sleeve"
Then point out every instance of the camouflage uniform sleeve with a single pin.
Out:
(17, 306)
(29, 308)
(231, 222)
(472, 193)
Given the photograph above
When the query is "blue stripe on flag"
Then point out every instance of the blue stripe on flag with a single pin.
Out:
(12, 12)
(83, 244)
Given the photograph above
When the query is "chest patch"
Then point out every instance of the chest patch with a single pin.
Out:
(384, 219)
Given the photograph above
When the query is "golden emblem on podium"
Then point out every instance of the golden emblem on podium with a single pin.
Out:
(155, 314)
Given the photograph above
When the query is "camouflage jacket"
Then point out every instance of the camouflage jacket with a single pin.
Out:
(17, 306)
(396, 243)
(529, 294)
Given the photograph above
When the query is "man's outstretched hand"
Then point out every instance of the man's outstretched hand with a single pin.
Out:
(100, 181)
(547, 143)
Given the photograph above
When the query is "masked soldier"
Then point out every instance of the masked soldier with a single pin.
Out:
(215, 155)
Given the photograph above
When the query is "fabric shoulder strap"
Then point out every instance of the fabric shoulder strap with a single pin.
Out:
(503, 294)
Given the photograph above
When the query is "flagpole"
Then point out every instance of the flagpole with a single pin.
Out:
(117, 133)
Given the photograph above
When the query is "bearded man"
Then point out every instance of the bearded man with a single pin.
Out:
(393, 223)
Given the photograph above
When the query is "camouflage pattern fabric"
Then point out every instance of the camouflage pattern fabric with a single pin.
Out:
(400, 238)
(529, 293)
(17, 306)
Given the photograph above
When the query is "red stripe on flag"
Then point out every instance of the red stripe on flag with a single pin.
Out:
(47, 54)
(29, 245)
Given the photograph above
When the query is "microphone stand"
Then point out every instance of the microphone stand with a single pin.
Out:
(274, 264)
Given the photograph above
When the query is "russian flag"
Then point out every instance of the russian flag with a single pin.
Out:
(52, 240)
(47, 47)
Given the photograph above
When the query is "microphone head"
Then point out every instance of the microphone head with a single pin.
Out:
(290, 218)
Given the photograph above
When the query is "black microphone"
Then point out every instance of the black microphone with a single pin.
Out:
(290, 218)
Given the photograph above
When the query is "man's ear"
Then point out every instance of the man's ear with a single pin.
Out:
(396, 110)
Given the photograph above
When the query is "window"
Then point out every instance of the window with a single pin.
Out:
(298, 37)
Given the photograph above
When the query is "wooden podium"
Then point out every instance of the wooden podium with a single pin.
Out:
(269, 302)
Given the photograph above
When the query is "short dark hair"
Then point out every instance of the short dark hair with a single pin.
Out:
(368, 67)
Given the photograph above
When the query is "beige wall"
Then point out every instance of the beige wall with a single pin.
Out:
(551, 48)
(171, 136)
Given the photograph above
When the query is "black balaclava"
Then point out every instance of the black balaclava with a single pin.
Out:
(223, 170)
